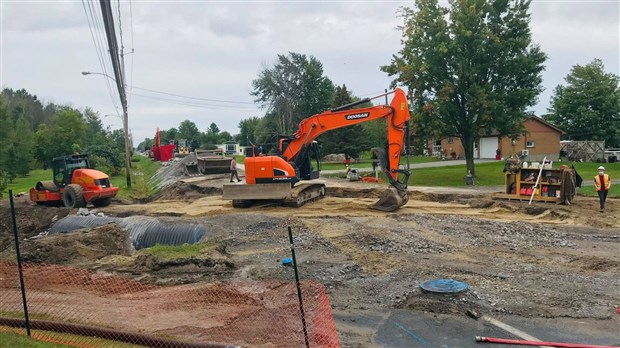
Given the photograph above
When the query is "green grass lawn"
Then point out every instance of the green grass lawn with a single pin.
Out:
(367, 163)
(487, 174)
(23, 184)
(10, 340)
(490, 174)
(141, 173)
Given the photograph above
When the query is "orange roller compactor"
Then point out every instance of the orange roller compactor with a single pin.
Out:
(74, 185)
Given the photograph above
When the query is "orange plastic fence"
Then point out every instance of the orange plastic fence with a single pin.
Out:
(80, 307)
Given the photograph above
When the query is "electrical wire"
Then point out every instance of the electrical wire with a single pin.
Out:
(194, 104)
(132, 47)
(98, 49)
(194, 98)
(101, 43)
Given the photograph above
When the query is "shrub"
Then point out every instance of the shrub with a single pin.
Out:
(102, 164)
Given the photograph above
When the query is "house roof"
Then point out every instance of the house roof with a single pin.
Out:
(536, 118)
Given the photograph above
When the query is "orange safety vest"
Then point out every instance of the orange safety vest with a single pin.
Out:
(597, 182)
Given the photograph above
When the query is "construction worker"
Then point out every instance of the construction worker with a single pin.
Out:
(233, 170)
(602, 185)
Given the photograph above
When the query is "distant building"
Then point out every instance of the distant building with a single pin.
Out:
(542, 139)
(231, 148)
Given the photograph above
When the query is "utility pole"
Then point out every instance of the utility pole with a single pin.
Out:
(108, 21)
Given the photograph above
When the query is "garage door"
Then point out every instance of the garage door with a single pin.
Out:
(488, 146)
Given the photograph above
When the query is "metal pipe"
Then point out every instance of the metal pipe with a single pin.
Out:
(537, 343)
(19, 265)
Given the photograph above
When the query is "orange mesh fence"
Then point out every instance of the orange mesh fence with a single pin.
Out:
(89, 309)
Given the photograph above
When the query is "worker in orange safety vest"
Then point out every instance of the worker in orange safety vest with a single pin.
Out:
(602, 185)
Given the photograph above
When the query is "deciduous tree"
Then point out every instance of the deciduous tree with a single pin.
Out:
(587, 107)
(472, 67)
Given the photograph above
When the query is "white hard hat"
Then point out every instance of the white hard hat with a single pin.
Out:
(601, 168)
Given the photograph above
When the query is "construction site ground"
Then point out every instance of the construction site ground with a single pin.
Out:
(549, 270)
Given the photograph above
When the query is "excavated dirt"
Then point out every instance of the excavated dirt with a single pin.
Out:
(186, 191)
(81, 246)
(31, 220)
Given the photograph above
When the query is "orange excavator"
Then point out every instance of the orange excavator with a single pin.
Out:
(290, 176)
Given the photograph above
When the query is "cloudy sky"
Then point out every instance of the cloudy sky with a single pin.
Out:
(212, 50)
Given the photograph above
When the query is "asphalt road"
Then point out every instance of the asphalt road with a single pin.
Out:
(407, 328)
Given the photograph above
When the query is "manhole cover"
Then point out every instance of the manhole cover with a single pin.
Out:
(444, 286)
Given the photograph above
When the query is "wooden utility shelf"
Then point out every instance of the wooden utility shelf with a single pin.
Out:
(516, 181)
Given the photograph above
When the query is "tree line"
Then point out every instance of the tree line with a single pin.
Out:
(188, 131)
(33, 132)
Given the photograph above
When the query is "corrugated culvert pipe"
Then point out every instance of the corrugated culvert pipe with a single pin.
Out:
(144, 232)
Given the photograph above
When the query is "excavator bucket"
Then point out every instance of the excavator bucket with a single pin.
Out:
(191, 169)
(390, 200)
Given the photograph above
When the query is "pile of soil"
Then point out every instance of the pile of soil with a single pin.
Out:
(334, 157)
(187, 191)
(77, 247)
(31, 220)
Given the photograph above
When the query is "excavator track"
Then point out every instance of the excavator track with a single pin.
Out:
(304, 193)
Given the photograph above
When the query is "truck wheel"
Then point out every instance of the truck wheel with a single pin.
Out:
(73, 196)
(103, 202)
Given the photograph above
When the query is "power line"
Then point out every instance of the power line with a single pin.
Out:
(98, 50)
(194, 98)
(193, 104)
(108, 22)
(132, 46)
(101, 44)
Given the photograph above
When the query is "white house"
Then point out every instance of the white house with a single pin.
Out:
(231, 148)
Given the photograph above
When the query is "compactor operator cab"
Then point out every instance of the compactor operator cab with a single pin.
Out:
(304, 161)
(64, 167)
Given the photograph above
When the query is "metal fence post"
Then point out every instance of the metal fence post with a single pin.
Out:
(19, 264)
(301, 303)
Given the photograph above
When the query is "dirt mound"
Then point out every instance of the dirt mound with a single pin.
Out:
(442, 197)
(31, 220)
(334, 157)
(77, 247)
(187, 192)
(348, 192)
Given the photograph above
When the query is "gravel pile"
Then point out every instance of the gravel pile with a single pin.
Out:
(488, 233)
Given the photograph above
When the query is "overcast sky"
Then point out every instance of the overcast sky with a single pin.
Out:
(213, 50)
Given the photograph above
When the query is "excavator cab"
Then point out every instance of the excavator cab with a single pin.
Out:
(304, 162)
(63, 168)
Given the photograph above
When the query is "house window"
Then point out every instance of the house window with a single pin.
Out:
(230, 148)
(450, 140)
(530, 143)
